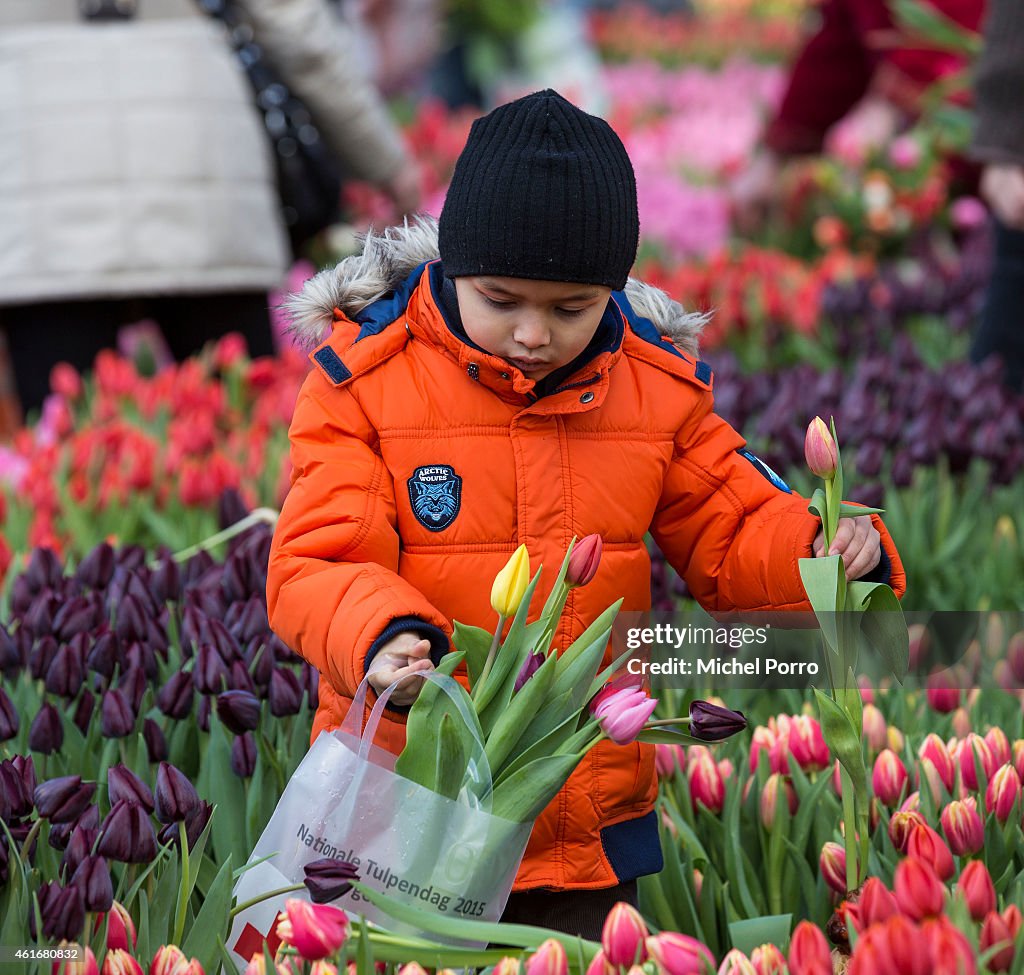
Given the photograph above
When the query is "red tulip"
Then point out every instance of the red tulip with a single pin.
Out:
(995, 931)
(875, 904)
(120, 928)
(942, 692)
(736, 963)
(809, 953)
(768, 960)
(901, 825)
(951, 952)
(925, 844)
(919, 892)
(548, 959)
(832, 863)
(1012, 916)
(584, 560)
(873, 954)
(86, 965)
(888, 778)
(964, 828)
(679, 954)
(623, 934)
(969, 752)
(976, 888)
(820, 450)
(119, 962)
(934, 750)
(999, 746)
(315, 930)
(1003, 793)
(807, 744)
(598, 966)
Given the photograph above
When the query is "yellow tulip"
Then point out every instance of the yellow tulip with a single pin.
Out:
(510, 584)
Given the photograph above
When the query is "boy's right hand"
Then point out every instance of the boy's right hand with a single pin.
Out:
(404, 657)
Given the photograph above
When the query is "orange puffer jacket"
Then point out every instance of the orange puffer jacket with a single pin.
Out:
(421, 463)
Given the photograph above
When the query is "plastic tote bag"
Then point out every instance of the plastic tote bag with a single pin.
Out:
(346, 801)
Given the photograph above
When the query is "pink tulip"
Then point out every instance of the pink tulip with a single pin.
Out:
(807, 744)
(1017, 753)
(599, 966)
(623, 934)
(925, 844)
(120, 927)
(768, 960)
(171, 960)
(889, 778)
(809, 953)
(119, 962)
(994, 933)
(961, 722)
(876, 732)
(679, 954)
(832, 863)
(876, 904)
(820, 450)
(969, 752)
(314, 930)
(736, 963)
(919, 892)
(511, 966)
(669, 759)
(999, 746)
(901, 824)
(950, 950)
(942, 693)
(548, 959)
(83, 966)
(705, 779)
(770, 797)
(583, 562)
(977, 890)
(1003, 793)
(963, 826)
(623, 714)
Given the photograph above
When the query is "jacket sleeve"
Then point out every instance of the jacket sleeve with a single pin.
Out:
(315, 54)
(732, 534)
(332, 586)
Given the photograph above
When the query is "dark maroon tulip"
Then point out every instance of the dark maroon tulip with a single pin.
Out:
(41, 656)
(240, 679)
(285, 693)
(260, 660)
(210, 673)
(239, 711)
(9, 722)
(234, 579)
(83, 711)
(530, 666)
(133, 685)
(141, 591)
(60, 833)
(328, 879)
(227, 646)
(231, 509)
(176, 797)
(65, 674)
(127, 834)
(243, 755)
(46, 733)
(10, 656)
(205, 599)
(65, 915)
(142, 657)
(44, 569)
(39, 618)
(77, 615)
(131, 619)
(194, 826)
(197, 566)
(92, 878)
(203, 713)
(190, 634)
(26, 768)
(156, 743)
(176, 697)
(77, 847)
(123, 783)
(165, 582)
(47, 894)
(312, 678)
(104, 655)
(15, 797)
(4, 858)
(283, 654)
(710, 722)
(117, 718)
(64, 799)
(97, 568)
(157, 639)
(252, 620)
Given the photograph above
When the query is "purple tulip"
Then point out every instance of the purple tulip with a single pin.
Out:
(260, 659)
(65, 674)
(203, 713)
(41, 656)
(210, 673)
(165, 582)
(97, 568)
(9, 722)
(240, 679)
(312, 676)
(131, 619)
(46, 895)
(328, 879)
(176, 797)
(142, 657)
(77, 847)
(243, 755)
(64, 799)
(10, 656)
(239, 711)
(44, 570)
(117, 718)
(92, 878)
(126, 834)
(123, 783)
(530, 666)
(285, 693)
(176, 697)
(26, 768)
(46, 733)
(78, 615)
(216, 633)
(142, 592)
(710, 722)
(156, 743)
(83, 711)
(15, 797)
(251, 621)
(195, 823)
(65, 915)
(104, 655)
(39, 618)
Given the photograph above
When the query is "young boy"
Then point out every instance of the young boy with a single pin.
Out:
(512, 393)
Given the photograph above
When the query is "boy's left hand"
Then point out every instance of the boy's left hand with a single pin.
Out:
(857, 541)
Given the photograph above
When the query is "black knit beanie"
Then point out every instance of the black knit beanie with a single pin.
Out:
(542, 190)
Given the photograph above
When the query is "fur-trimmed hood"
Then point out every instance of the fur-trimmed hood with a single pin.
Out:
(388, 258)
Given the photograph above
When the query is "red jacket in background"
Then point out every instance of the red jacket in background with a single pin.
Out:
(854, 49)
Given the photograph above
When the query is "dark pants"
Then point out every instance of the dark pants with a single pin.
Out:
(575, 912)
(1001, 330)
(42, 334)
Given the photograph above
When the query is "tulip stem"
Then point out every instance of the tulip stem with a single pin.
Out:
(491, 654)
(666, 722)
(260, 516)
(850, 833)
(30, 839)
(245, 905)
(184, 890)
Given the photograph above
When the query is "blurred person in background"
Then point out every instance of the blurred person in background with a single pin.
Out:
(999, 144)
(136, 175)
(853, 70)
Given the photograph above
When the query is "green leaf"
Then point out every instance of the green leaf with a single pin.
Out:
(451, 759)
(841, 737)
(755, 931)
(925, 23)
(474, 642)
(883, 624)
(667, 736)
(578, 663)
(210, 925)
(513, 720)
(816, 506)
(824, 581)
(521, 796)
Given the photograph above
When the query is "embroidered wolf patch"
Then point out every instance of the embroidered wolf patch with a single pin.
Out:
(435, 494)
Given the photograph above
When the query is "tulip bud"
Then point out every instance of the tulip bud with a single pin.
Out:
(807, 744)
(875, 904)
(961, 722)
(820, 450)
(768, 960)
(84, 965)
(736, 963)
(239, 711)
(705, 780)
(583, 562)
(64, 799)
(510, 584)
(976, 889)
(156, 743)
(9, 721)
(711, 722)
(889, 778)
(314, 930)
(775, 784)
(925, 844)
(874, 727)
(210, 673)
(919, 892)
(995, 933)
(127, 834)
(92, 878)
(511, 966)
(809, 953)
(679, 954)
(285, 693)
(411, 968)
(623, 934)
(119, 962)
(942, 692)
(117, 716)
(328, 879)
(176, 697)
(999, 746)
(65, 674)
(623, 714)
(964, 828)
(1003, 793)
(1014, 921)
(949, 948)
(934, 750)
(970, 752)
(123, 783)
(243, 755)
(530, 666)
(832, 864)
(46, 733)
(195, 823)
(175, 796)
(548, 959)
